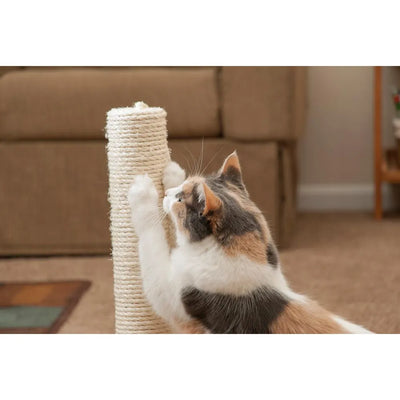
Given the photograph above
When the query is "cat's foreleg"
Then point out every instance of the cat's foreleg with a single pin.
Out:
(154, 252)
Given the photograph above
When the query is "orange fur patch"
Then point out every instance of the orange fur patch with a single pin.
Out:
(212, 202)
(179, 210)
(249, 206)
(305, 318)
(249, 244)
(192, 327)
(188, 187)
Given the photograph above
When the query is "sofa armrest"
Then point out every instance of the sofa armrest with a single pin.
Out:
(263, 103)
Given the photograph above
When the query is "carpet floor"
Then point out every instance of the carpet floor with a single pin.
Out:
(349, 263)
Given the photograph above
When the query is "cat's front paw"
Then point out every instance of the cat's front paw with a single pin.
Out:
(174, 175)
(142, 192)
(143, 199)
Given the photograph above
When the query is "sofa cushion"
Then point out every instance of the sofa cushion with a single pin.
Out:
(263, 102)
(71, 103)
(53, 194)
(53, 197)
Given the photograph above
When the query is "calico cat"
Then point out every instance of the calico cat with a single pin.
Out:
(224, 276)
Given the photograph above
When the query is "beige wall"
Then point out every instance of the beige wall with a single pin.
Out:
(337, 147)
(336, 153)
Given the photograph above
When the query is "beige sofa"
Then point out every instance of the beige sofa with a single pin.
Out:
(53, 172)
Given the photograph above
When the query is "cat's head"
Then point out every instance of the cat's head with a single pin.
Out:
(218, 205)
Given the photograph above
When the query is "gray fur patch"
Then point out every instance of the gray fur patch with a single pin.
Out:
(223, 313)
(272, 255)
(234, 176)
(198, 225)
(234, 220)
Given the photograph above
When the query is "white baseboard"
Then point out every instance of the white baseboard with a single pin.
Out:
(346, 197)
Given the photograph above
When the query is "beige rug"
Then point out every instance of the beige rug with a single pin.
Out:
(348, 262)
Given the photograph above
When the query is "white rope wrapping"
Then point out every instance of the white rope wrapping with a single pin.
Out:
(137, 144)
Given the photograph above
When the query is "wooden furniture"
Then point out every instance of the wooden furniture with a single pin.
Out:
(387, 167)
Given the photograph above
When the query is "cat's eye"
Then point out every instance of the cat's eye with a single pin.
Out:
(180, 199)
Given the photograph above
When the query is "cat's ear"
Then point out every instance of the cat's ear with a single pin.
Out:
(212, 202)
(231, 168)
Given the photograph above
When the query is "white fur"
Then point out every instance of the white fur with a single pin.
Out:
(174, 175)
(202, 264)
(170, 197)
(201, 194)
(143, 199)
(349, 326)
(209, 268)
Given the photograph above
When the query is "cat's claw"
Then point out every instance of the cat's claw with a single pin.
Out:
(174, 175)
(142, 192)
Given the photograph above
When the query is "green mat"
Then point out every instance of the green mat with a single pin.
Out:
(28, 316)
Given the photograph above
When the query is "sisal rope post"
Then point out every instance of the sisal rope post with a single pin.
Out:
(137, 144)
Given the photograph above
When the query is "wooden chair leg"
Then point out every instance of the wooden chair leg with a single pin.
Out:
(378, 142)
(378, 199)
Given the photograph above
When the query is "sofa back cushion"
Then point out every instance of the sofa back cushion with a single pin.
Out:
(71, 103)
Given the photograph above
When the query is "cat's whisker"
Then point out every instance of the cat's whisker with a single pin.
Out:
(188, 166)
(187, 163)
(196, 171)
(191, 167)
(156, 217)
(202, 156)
(211, 160)
(159, 217)
(163, 215)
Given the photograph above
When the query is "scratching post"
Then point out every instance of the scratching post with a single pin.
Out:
(137, 144)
